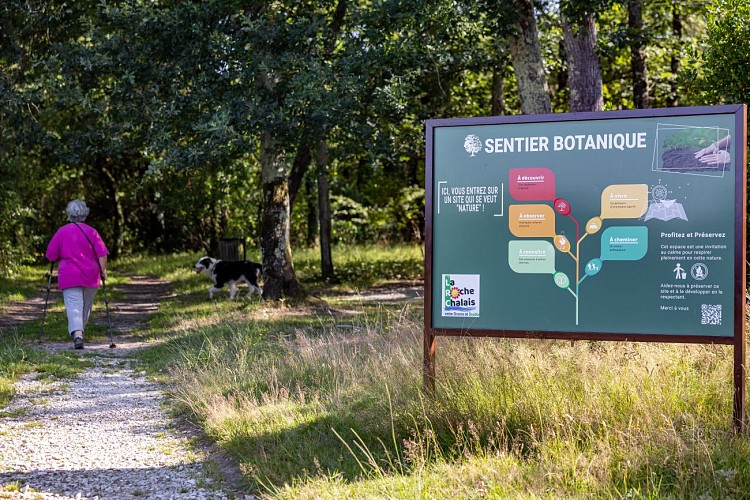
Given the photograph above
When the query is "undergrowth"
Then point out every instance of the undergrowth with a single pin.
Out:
(342, 410)
(325, 399)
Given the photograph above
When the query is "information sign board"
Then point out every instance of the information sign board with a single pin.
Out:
(611, 226)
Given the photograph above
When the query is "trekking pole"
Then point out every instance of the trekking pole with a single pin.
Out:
(106, 306)
(46, 300)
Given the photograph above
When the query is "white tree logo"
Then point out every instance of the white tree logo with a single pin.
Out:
(472, 144)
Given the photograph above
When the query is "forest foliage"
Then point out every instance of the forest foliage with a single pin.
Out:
(154, 112)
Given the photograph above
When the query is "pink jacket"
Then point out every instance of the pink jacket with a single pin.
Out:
(78, 265)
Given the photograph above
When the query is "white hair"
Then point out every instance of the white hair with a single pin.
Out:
(77, 211)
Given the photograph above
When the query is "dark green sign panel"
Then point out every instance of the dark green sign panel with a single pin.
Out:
(621, 223)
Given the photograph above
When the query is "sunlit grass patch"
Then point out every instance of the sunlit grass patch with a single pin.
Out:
(364, 265)
(23, 283)
(316, 413)
(15, 413)
(494, 476)
(171, 267)
(355, 266)
(61, 366)
(18, 358)
(13, 489)
(12, 296)
(7, 391)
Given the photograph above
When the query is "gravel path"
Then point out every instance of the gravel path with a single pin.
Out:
(103, 434)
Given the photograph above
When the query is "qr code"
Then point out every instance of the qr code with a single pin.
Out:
(710, 314)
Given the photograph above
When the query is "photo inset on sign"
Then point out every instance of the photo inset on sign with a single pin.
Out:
(692, 150)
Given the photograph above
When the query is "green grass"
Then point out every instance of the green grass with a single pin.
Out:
(364, 266)
(23, 284)
(355, 267)
(175, 267)
(315, 405)
(321, 403)
(343, 414)
(18, 357)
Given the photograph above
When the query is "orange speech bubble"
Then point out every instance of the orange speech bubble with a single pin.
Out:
(531, 221)
(624, 201)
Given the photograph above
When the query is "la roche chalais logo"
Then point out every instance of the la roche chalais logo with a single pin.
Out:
(472, 144)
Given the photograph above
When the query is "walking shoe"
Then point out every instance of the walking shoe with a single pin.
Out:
(78, 343)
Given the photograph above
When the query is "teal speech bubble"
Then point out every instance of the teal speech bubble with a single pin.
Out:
(624, 243)
(531, 256)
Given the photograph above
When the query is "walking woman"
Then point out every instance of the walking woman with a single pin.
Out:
(83, 261)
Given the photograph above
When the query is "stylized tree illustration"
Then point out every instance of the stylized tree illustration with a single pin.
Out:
(472, 144)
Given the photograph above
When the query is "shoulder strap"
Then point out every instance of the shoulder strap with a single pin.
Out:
(96, 257)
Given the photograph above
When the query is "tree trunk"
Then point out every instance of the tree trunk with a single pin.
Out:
(278, 270)
(214, 233)
(584, 71)
(299, 167)
(637, 54)
(561, 75)
(498, 88)
(324, 209)
(118, 240)
(673, 99)
(311, 197)
(528, 67)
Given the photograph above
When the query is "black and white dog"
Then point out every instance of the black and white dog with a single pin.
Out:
(230, 273)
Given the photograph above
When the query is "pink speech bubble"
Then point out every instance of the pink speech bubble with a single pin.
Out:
(532, 184)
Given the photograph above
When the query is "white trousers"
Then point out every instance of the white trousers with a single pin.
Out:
(78, 302)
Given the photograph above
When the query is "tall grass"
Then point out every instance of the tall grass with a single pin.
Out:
(318, 405)
(342, 413)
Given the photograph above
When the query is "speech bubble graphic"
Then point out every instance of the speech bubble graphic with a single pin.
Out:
(531, 256)
(624, 243)
(624, 201)
(532, 184)
(531, 221)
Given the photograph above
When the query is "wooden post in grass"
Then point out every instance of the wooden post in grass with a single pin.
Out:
(429, 363)
(740, 375)
(740, 262)
(429, 339)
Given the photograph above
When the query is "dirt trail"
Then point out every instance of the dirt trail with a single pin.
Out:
(136, 301)
(121, 442)
(19, 312)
